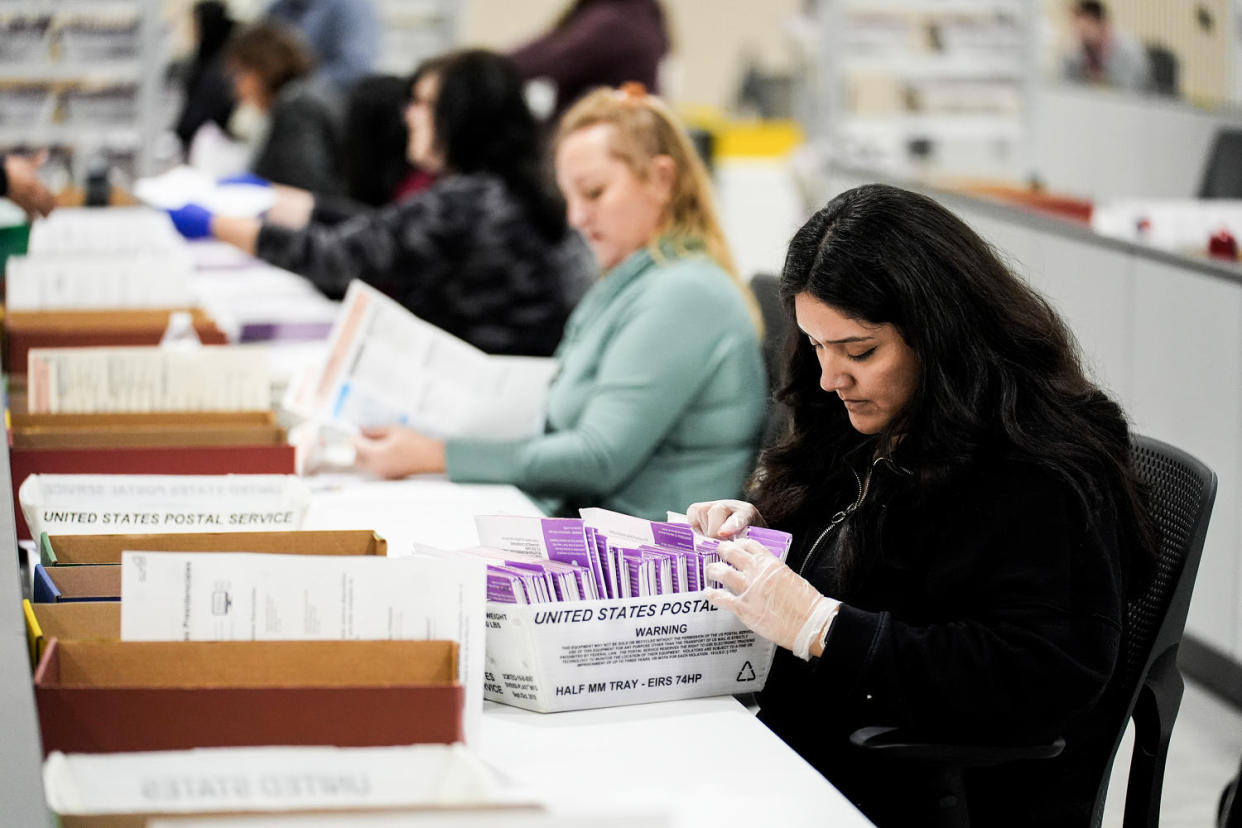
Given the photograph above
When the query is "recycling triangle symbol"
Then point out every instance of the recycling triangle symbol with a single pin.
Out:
(747, 673)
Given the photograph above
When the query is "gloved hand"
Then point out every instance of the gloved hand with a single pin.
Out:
(723, 518)
(192, 221)
(769, 597)
(245, 178)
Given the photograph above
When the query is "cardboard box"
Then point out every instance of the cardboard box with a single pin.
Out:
(58, 584)
(584, 654)
(227, 459)
(24, 330)
(62, 550)
(154, 430)
(101, 696)
(91, 620)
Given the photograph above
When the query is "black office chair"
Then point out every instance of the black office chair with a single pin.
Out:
(1229, 809)
(1222, 175)
(766, 288)
(1147, 686)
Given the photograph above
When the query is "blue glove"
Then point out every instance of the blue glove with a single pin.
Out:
(245, 178)
(192, 221)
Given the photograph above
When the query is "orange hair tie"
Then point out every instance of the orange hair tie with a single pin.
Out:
(631, 91)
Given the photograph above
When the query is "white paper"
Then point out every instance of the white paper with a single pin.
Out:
(82, 504)
(72, 280)
(186, 596)
(147, 379)
(117, 229)
(386, 366)
(618, 526)
(183, 185)
(266, 779)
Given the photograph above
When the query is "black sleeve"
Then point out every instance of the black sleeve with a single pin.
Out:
(334, 209)
(4, 176)
(301, 149)
(1027, 648)
(378, 247)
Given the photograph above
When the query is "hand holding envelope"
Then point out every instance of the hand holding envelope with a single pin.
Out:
(769, 597)
(396, 451)
(723, 519)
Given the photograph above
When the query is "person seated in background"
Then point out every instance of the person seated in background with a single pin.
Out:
(343, 35)
(661, 392)
(378, 170)
(597, 43)
(206, 86)
(1105, 56)
(293, 122)
(484, 253)
(967, 522)
(19, 183)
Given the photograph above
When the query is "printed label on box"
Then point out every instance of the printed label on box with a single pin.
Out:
(573, 656)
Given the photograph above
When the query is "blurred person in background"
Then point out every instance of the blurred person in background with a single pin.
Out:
(378, 170)
(344, 35)
(598, 43)
(661, 391)
(207, 89)
(292, 120)
(1105, 56)
(484, 253)
(19, 183)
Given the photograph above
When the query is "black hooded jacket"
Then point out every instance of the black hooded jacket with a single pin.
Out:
(989, 610)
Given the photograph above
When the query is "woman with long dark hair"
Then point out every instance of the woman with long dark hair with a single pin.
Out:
(485, 253)
(967, 522)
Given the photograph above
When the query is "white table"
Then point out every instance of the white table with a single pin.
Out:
(703, 762)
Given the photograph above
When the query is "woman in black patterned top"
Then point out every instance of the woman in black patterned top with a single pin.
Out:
(485, 253)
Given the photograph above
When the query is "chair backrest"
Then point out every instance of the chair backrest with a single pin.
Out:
(1164, 66)
(766, 288)
(1180, 492)
(1222, 174)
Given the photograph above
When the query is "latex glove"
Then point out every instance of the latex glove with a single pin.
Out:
(192, 221)
(723, 518)
(397, 451)
(245, 178)
(769, 597)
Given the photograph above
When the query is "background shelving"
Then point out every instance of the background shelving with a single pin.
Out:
(81, 78)
(928, 87)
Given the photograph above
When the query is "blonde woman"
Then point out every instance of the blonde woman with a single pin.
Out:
(661, 392)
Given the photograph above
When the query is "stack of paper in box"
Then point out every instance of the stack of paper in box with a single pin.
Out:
(608, 609)
(600, 555)
(304, 638)
(146, 410)
(98, 277)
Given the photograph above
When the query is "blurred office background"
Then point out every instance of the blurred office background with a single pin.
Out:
(792, 97)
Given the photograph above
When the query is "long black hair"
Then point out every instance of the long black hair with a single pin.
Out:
(376, 139)
(482, 124)
(1000, 371)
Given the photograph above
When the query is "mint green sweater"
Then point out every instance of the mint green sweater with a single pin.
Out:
(659, 401)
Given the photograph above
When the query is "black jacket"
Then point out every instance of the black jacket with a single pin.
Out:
(461, 255)
(990, 610)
